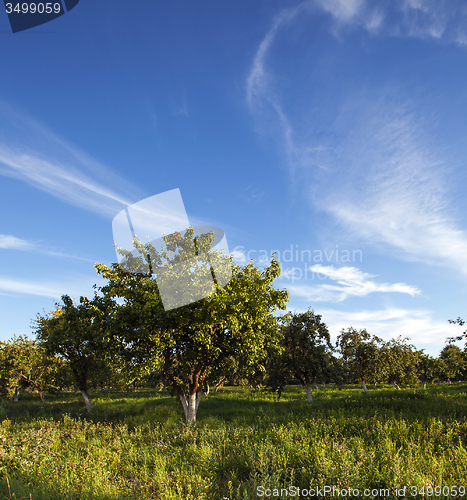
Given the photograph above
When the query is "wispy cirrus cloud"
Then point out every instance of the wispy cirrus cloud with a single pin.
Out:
(260, 81)
(32, 153)
(443, 20)
(377, 172)
(44, 288)
(14, 286)
(404, 184)
(9, 242)
(260, 84)
(350, 282)
(345, 11)
(13, 243)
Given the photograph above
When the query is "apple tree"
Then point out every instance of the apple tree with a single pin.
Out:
(76, 333)
(360, 355)
(305, 354)
(190, 343)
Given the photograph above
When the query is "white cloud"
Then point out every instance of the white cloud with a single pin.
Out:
(12, 243)
(260, 83)
(437, 19)
(29, 288)
(351, 282)
(343, 10)
(395, 192)
(383, 178)
(32, 153)
(54, 290)
(418, 325)
(9, 242)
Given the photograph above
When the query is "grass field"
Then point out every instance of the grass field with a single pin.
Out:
(136, 445)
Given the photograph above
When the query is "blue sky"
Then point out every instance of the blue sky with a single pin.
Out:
(331, 131)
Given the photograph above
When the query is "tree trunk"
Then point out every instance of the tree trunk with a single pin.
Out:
(81, 382)
(87, 401)
(16, 395)
(219, 384)
(439, 381)
(424, 384)
(449, 381)
(309, 396)
(395, 385)
(206, 392)
(197, 400)
(38, 388)
(190, 407)
(316, 385)
(365, 390)
(41, 394)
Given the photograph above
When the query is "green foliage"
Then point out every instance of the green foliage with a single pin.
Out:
(360, 355)
(9, 377)
(191, 342)
(25, 364)
(454, 362)
(227, 370)
(426, 368)
(305, 352)
(368, 358)
(77, 333)
(399, 362)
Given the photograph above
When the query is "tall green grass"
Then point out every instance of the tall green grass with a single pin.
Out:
(136, 445)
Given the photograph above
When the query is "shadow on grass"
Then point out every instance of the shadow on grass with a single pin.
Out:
(445, 402)
(231, 404)
(109, 407)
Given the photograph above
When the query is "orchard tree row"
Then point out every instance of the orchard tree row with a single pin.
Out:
(74, 356)
(123, 336)
(307, 357)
